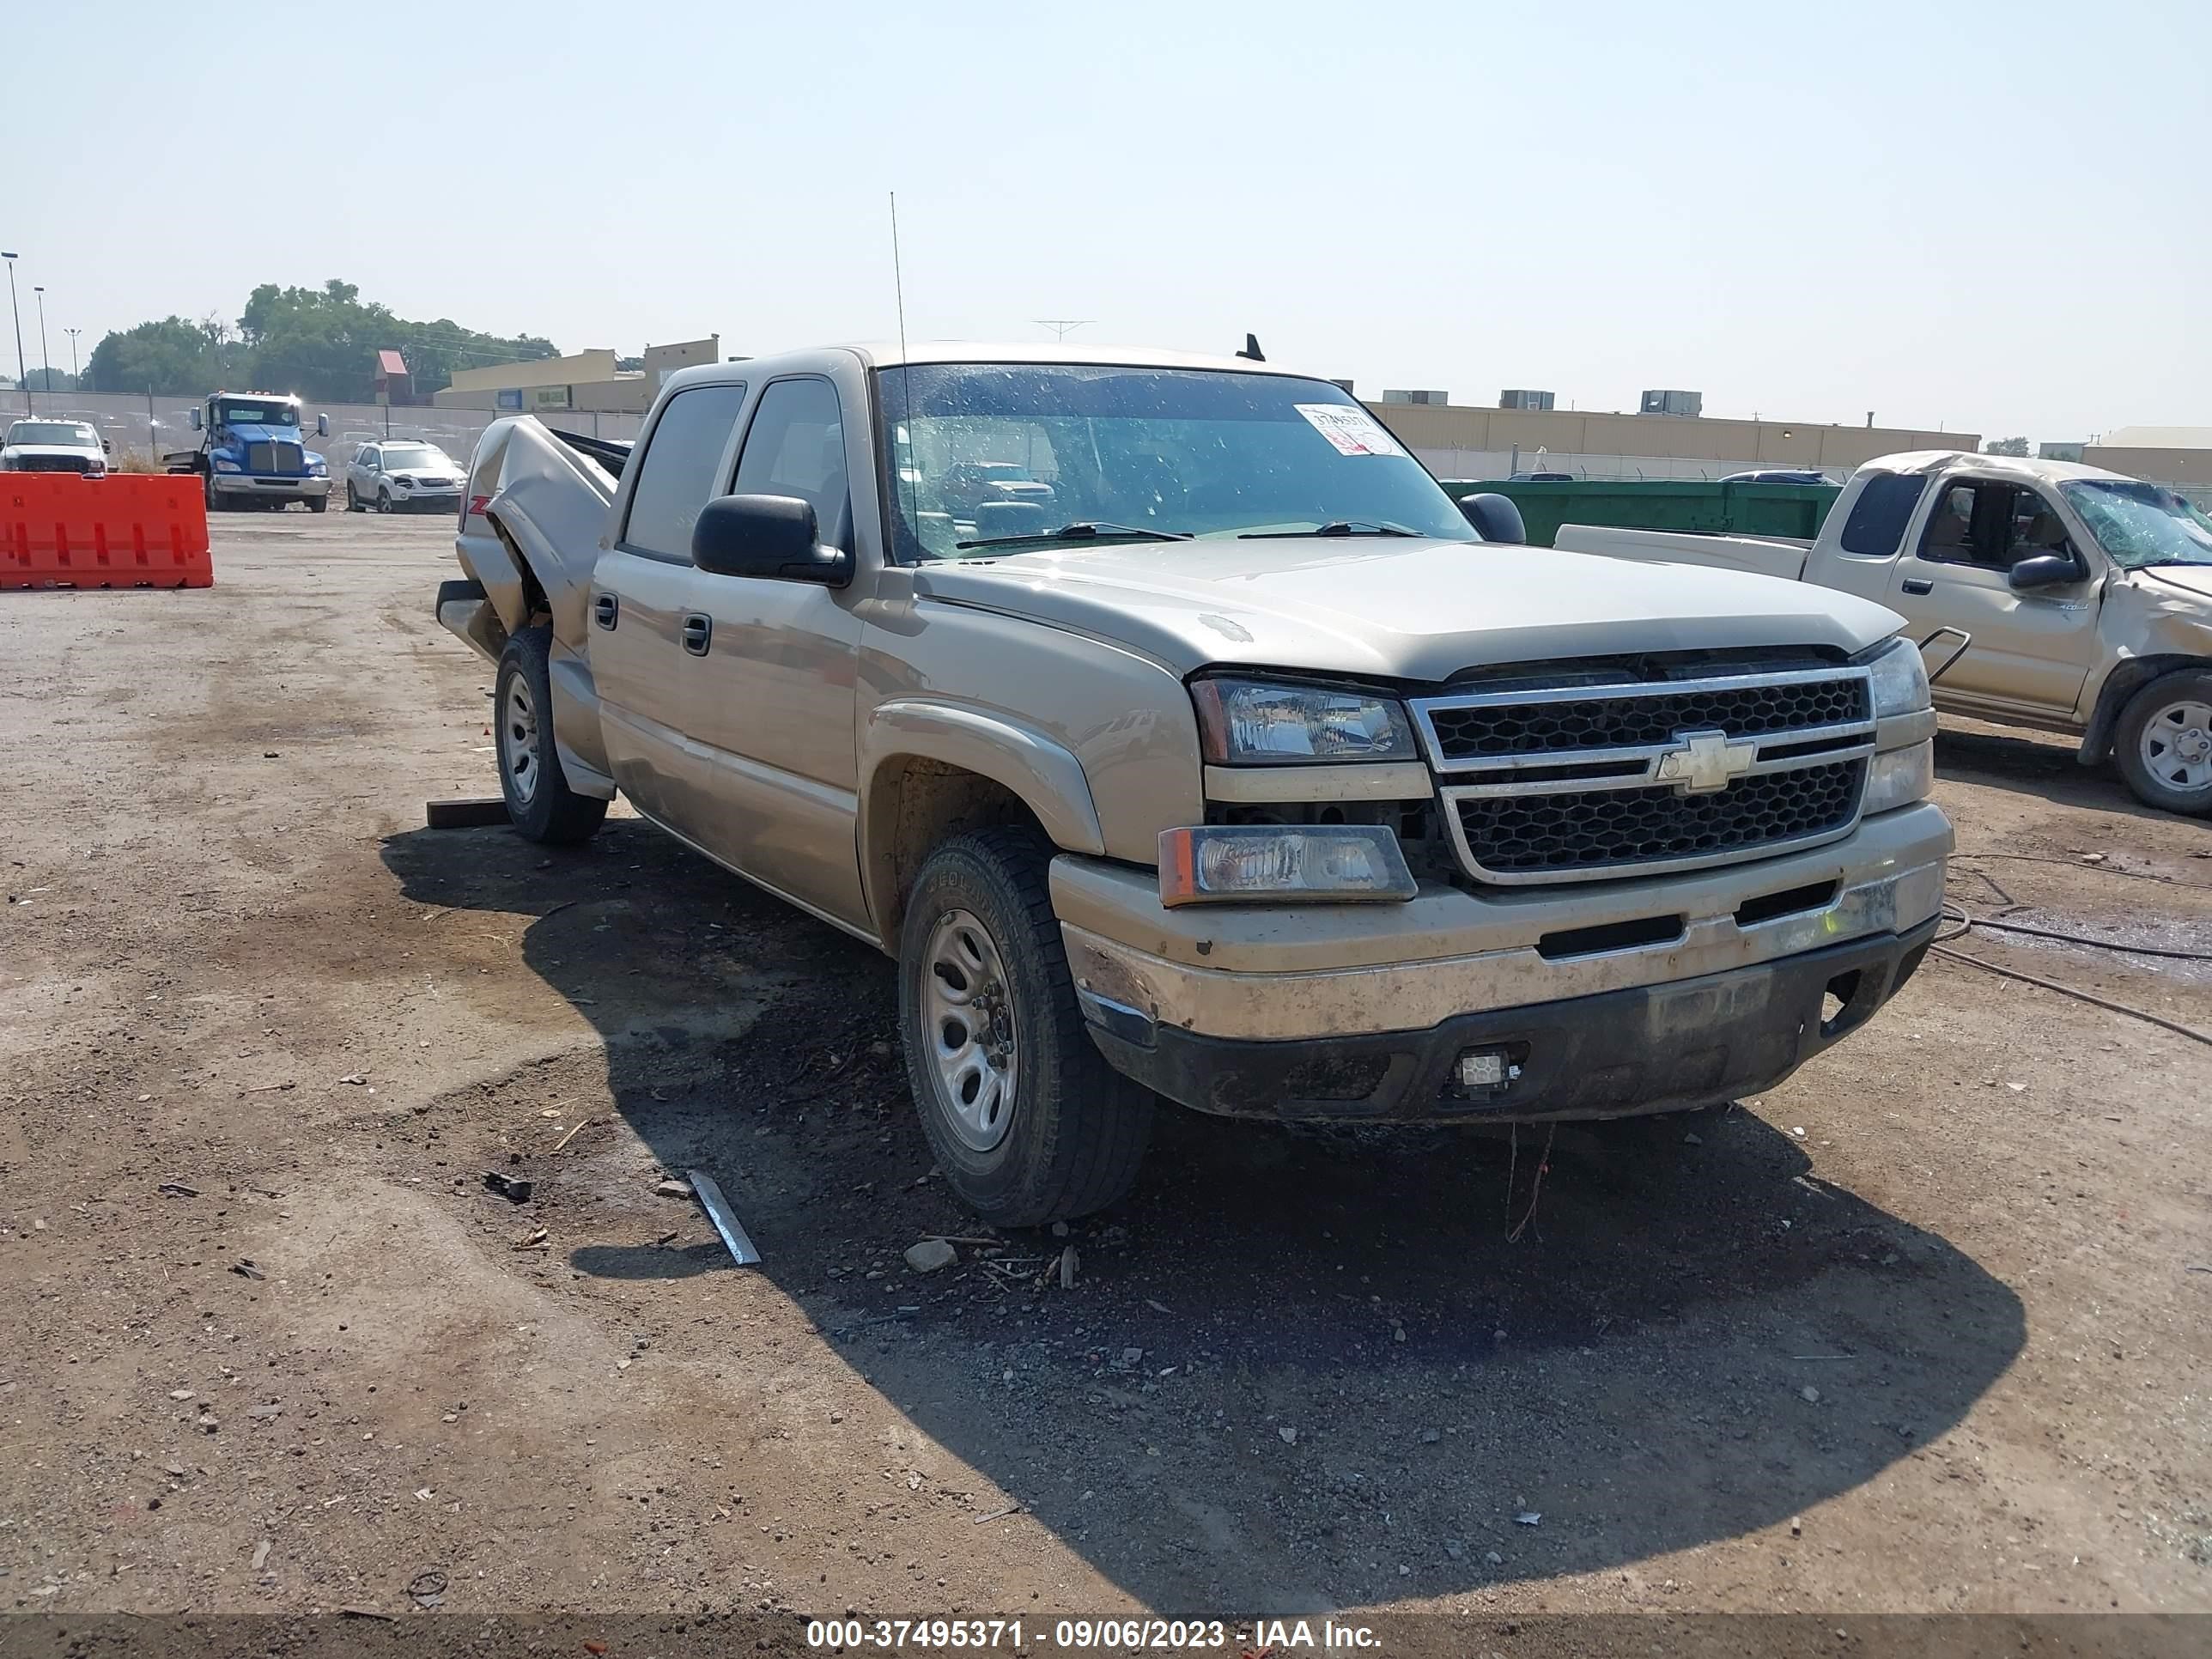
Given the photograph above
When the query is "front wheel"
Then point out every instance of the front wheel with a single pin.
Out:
(1027, 1120)
(2164, 742)
(539, 802)
(214, 498)
(383, 501)
(319, 503)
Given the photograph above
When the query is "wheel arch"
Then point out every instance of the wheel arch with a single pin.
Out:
(930, 771)
(2129, 677)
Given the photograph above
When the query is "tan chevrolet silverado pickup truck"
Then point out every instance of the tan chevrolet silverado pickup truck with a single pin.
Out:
(1178, 736)
(2044, 593)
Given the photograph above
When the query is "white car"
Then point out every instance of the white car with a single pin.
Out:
(398, 475)
(53, 447)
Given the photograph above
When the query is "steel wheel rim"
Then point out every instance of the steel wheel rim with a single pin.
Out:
(518, 738)
(968, 1027)
(2177, 744)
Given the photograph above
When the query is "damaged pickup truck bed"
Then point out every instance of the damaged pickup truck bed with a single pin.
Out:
(1177, 736)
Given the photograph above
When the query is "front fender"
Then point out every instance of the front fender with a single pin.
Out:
(1046, 776)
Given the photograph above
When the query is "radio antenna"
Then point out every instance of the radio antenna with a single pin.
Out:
(906, 389)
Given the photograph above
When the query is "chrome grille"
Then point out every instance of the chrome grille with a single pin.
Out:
(283, 459)
(1571, 783)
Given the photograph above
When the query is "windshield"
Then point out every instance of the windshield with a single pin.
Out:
(2140, 523)
(72, 432)
(232, 412)
(397, 456)
(992, 458)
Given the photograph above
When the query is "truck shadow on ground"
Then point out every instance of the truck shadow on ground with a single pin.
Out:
(2041, 767)
(1292, 1373)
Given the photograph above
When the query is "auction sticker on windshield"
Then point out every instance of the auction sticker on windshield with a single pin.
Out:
(1352, 430)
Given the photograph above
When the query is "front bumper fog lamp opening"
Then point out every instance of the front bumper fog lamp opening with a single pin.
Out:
(1481, 1072)
(1898, 777)
(1324, 863)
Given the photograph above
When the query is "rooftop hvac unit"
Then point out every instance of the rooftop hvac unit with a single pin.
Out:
(1673, 403)
(1525, 400)
(1390, 396)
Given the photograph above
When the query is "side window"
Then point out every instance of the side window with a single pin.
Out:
(2036, 530)
(1878, 518)
(1967, 525)
(368, 458)
(796, 447)
(676, 472)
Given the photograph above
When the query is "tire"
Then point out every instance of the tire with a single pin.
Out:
(2164, 742)
(383, 501)
(319, 503)
(214, 502)
(1068, 1132)
(539, 803)
(353, 499)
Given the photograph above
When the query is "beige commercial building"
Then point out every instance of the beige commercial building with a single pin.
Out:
(1465, 441)
(584, 380)
(2164, 454)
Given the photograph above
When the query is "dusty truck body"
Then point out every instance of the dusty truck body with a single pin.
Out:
(1223, 761)
(2046, 594)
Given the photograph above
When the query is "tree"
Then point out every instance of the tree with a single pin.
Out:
(320, 343)
(2006, 446)
(170, 356)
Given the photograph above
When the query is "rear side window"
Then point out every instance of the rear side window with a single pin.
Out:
(676, 473)
(796, 447)
(1879, 516)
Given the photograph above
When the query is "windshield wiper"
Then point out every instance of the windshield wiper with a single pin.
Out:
(1083, 529)
(1335, 528)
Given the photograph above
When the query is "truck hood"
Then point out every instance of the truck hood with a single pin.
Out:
(2194, 579)
(1398, 608)
(46, 452)
(265, 435)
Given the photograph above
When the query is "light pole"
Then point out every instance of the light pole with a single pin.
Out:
(46, 363)
(75, 372)
(16, 312)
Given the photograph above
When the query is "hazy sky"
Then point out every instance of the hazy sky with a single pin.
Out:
(1996, 217)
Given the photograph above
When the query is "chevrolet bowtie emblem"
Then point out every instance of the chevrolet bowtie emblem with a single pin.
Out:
(1705, 761)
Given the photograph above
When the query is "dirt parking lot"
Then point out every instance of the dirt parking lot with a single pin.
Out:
(1928, 1328)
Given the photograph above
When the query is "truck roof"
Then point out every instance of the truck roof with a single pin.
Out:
(889, 353)
(1941, 460)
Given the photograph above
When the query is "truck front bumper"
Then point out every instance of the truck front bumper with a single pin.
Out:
(1612, 999)
(243, 484)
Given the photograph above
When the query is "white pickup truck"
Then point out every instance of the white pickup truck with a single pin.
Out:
(2043, 593)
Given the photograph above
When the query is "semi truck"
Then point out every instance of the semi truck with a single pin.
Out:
(253, 453)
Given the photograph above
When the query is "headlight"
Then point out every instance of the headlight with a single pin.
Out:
(1252, 722)
(316, 463)
(221, 466)
(1900, 678)
(1341, 863)
(1898, 777)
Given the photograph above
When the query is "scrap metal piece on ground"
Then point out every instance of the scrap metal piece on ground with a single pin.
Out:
(725, 1220)
(514, 1188)
(464, 814)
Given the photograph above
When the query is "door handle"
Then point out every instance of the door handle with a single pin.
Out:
(605, 610)
(1917, 585)
(698, 633)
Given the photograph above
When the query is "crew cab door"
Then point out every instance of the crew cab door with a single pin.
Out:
(2030, 652)
(648, 696)
(769, 669)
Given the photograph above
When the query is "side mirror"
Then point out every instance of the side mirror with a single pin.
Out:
(322, 426)
(1495, 518)
(2046, 570)
(196, 420)
(105, 447)
(771, 537)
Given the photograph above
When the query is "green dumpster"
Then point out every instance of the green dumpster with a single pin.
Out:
(1684, 504)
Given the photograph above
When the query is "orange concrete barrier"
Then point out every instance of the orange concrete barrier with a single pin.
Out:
(127, 530)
